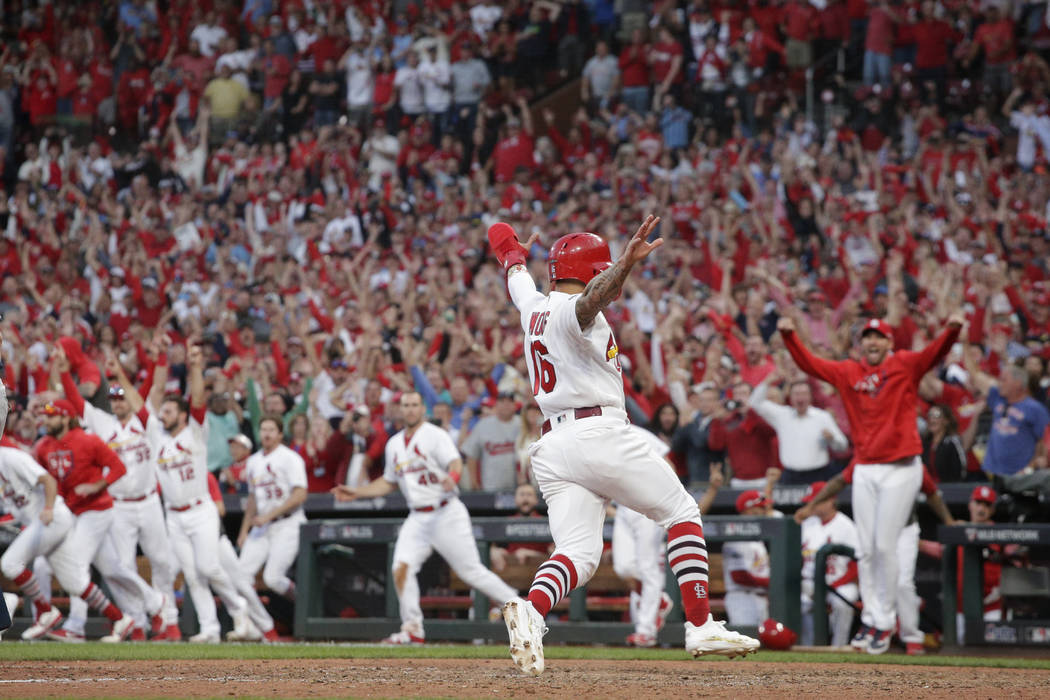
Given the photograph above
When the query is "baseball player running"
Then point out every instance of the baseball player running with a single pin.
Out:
(30, 494)
(84, 468)
(179, 437)
(262, 628)
(880, 393)
(423, 461)
(637, 553)
(138, 519)
(586, 454)
(269, 535)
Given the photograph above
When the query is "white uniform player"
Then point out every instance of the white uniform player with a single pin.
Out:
(26, 489)
(425, 464)
(180, 440)
(138, 519)
(269, 536)
(745, 569)
(829, 526)
(638, 555)
(586, 454)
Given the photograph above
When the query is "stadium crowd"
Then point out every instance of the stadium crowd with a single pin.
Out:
(302, 190)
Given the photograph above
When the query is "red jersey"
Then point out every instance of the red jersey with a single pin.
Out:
(80, 458)
(880, 400)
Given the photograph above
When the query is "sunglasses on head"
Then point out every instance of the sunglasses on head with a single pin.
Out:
(116, 392)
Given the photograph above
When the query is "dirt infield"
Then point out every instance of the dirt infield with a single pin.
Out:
(489, 678)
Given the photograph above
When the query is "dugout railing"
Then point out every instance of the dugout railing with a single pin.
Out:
(321, 537)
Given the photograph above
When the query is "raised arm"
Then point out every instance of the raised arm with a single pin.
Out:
(195, 365)
(806, 361)
(604, 288)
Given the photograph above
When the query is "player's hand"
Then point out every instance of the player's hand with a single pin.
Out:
(503, 240)
(802, 513)
(786, 324)
(448, 484)
(718, 478)
(194, 357)
(343, 493)
(89, 489)
(638, 248)
(261, 520)
(241, 539)
(957, 319)
(47, 515)
(828, 437)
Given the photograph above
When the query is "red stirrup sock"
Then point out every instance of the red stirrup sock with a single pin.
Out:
(553, 581)
(687, 554)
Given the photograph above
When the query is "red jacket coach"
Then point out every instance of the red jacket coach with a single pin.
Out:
(880, 393)
(83, 465)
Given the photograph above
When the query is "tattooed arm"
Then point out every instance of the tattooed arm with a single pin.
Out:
(604, 288)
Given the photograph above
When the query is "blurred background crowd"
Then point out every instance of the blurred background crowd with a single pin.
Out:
(303, 189)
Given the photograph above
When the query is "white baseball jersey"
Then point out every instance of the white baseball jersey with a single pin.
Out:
(20, 494)
(419, 465)
(815, 534)
(271, 477)
(745, 556)
(131, 444)
(182, 462)
(569, 367)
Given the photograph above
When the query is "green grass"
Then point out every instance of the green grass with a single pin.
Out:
(127, 652)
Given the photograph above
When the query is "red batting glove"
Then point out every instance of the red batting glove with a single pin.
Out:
(505, 246)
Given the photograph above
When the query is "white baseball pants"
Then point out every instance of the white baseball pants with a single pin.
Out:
(195, 539)
(141, 523)
(244, 584)
(445, 530)
(638, 553)
(747, 609)
(93, 543)
(273, 548)
(883, 496)
(583, 464)
(39, 540)
(907, 598)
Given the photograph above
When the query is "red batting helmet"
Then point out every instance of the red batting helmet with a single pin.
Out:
(774, 635)
(578, 256)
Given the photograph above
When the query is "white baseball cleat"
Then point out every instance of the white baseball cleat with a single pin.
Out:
(713, 639)
(204, 638)
(525, 627)
(44, 624)
(121, 630)
(250, 633)
(403, 639)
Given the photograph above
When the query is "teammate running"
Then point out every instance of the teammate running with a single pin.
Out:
(270, 527)
(179, 438)
(138, 519)
(587, 454)
(424, 462)
(880, 392)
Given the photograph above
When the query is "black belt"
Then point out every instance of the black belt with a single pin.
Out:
(431, 509)
(286, 515)
(577, 413)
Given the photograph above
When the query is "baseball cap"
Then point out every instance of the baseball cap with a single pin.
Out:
(984, 494)
(116, 272)
(877, 325)
(242, 440)
(750, 499)
(361, 411)
(59, 407)
(814, 489)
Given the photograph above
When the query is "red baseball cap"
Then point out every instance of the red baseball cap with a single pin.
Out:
(750, 499)
(814, 489)
(877, 325)
(59, 407)
(984, 494)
